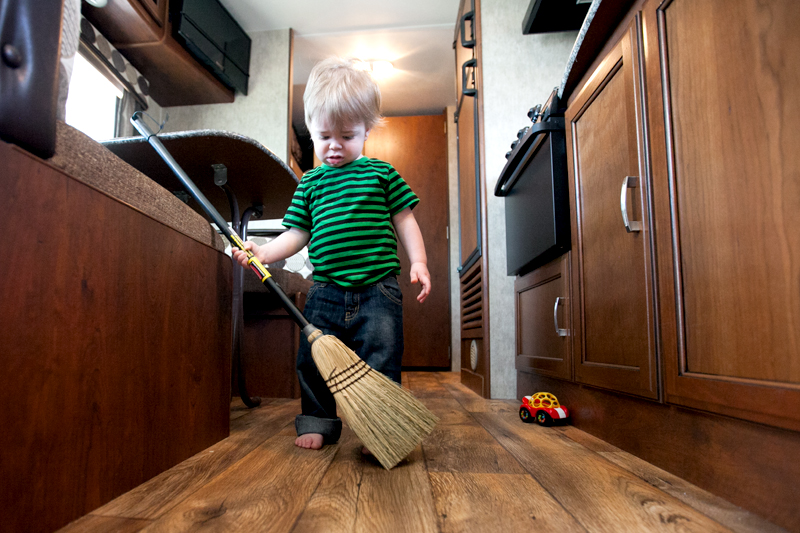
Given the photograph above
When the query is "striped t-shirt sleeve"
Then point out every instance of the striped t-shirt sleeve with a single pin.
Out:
(298, 214)
(398, 194)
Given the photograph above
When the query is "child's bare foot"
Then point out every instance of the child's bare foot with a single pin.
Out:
(312, 441)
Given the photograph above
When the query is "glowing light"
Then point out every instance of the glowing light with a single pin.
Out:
(378, 69)
(381, 69)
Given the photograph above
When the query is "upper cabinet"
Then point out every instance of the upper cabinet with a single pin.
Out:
(726, 173)
(614, 328)
(126, 22)
(142, 31)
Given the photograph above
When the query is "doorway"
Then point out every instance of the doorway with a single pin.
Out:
(417, 148)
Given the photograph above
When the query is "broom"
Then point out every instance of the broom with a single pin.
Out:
(386, 417)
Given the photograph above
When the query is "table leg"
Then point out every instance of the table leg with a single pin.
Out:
(238, 309)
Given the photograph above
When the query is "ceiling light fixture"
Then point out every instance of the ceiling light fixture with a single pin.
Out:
(379, 69)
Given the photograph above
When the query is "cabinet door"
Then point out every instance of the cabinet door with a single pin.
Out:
(614, 346)
(727, 178)
(542, 306)
(467, 129)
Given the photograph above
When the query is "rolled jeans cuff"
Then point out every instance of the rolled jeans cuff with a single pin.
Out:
(329, 428)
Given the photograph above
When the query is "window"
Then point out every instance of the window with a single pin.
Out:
(92, 101)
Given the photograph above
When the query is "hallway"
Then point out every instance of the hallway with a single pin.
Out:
(481, 470)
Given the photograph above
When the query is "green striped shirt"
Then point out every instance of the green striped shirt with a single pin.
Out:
(348, 212)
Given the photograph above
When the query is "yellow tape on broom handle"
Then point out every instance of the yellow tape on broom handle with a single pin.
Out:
(252, 260)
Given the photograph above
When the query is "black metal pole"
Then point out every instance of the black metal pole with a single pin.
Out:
(238, 313)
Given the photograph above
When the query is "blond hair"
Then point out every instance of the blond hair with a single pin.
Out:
(342, 93)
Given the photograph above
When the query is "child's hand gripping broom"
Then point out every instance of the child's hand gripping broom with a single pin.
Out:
(386, 417)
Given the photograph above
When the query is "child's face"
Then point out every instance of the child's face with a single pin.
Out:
(337, 146)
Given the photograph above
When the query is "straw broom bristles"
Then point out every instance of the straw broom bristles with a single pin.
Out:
(386, 417)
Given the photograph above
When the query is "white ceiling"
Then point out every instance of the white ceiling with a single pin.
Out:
(415, 35)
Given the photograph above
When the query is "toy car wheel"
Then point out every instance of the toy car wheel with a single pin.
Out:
(543, 418)
(525, 415)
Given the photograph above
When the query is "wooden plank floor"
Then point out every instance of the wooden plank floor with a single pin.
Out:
(482, 470)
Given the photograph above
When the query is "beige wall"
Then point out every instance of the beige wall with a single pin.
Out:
(455, 255)
(519, 71)
(263, 114)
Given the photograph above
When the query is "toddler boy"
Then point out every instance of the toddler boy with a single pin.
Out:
(348, 211)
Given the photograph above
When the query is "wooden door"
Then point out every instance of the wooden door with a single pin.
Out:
(726, 179)
(417, 148)
(542, 309)
(614, 342)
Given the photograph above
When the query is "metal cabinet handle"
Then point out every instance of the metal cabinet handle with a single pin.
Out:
(471, 63)
(467, 43)
(630, 182)
(559, 331)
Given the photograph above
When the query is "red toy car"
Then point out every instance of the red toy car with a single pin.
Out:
(542, 407)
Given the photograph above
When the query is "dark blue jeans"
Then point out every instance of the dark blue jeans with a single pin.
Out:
(367, 319)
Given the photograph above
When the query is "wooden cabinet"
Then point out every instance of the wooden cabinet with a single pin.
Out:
(682, 130)
(542, 311)
(115, 366)
(468, 133)
(697, 101)
(473, 264)
(724, 103)
(141, 31)
(613, 320)
(129, 22)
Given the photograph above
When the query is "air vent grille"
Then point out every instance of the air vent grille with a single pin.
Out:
(472, 299)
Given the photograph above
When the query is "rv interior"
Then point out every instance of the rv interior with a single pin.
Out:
(610, 204)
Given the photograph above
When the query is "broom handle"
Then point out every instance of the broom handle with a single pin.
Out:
(235, 240)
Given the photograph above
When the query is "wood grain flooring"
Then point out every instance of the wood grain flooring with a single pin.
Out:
(481, 470)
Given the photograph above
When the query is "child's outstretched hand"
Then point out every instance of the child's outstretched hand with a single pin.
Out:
(419, 273)
(241, 257)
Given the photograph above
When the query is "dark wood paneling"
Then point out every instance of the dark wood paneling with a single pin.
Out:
(750, 465)
(269, 346)
(725, 173)
(614, 325)
(417, 148)
(115, 339)
(539, 346)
